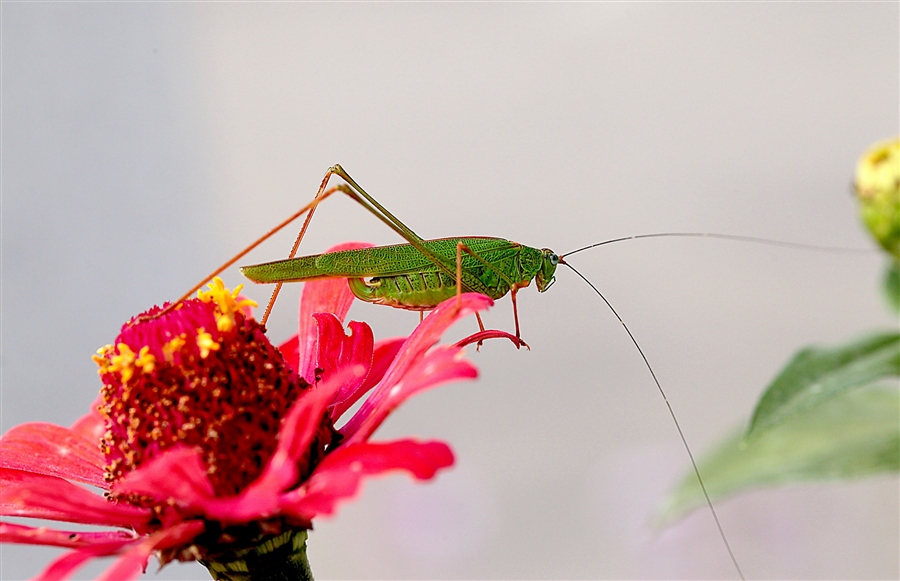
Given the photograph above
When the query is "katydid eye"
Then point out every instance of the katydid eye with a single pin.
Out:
(554, 259)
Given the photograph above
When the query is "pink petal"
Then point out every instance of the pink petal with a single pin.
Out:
(13, 533)
(426, 334)
(337, 351)
(442, 364)
(178, 475)
(383, 355)
(91, 425)
(53, 451)
(290, 351)
(36, 496)
(338, 477)
(327, 295)
(300, 427)
(134, 561)
(385, 352)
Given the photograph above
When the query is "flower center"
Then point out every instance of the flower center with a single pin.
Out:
(202, 374)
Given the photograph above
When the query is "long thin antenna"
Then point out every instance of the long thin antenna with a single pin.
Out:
(754, 239)
(671, 413)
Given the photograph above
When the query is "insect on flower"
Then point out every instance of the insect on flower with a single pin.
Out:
(419, 274)
(219, 447)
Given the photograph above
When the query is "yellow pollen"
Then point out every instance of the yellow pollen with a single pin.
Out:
(102, 359)
(206, 343)
(226, 303)
(172, 347)
(146, 361)
(123, 363)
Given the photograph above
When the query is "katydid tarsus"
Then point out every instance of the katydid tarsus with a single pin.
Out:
(419, 274)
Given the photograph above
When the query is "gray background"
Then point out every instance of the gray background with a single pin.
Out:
(142, 144)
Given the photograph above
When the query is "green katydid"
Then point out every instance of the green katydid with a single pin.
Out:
(422, 273)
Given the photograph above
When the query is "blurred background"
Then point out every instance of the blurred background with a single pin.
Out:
(143, 144)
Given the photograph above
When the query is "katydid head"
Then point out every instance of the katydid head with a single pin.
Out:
(545, 276)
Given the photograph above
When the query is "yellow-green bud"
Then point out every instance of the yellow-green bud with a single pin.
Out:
(878, 190)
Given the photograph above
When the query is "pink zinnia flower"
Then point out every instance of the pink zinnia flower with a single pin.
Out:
(210, 444)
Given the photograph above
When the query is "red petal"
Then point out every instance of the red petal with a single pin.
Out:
(382, 356)
(327, 295)
(303, 422)
(178, 474)
(384, 353)
(36, 496)
(259, 499)
(338, 477)
(426, 334)
(338, 351)
(13, 533)
(53, 451)
(133, 561)
(290, 351)
(442, 364)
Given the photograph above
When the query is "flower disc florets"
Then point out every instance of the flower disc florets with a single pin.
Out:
(203, 375)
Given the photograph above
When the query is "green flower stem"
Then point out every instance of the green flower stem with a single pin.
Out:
(280, 558)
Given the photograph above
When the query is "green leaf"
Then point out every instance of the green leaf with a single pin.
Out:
(854, 435)
(817, 374)
(892, 285)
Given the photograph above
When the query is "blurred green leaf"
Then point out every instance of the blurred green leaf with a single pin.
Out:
(892, 285)
(855, 434)
(817, 374)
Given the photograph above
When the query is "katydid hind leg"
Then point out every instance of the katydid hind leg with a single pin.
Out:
(354, 191)
(320, 194)
(357, 193)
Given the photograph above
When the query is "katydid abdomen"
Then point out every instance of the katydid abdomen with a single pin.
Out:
(415, 292)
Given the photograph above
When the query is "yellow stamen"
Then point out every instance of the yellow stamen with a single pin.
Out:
(102, 358)
(225, 301)
(206, 343)
(123, 363)
(172, 347)
(146, 361)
